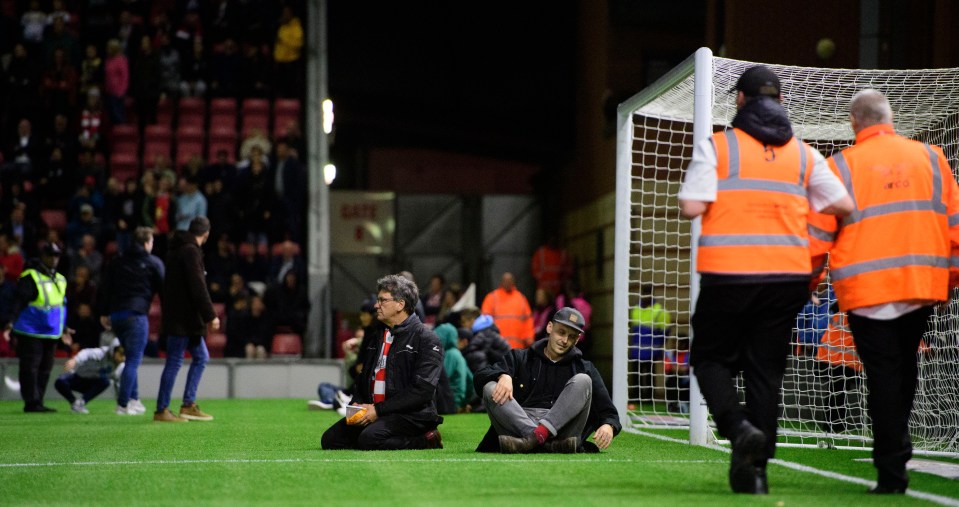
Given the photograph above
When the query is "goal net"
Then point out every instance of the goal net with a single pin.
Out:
(823, 403)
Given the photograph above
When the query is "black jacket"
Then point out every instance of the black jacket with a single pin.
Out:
(485, 347)
(413, 368)
(130, 282)
(538, 381)
(187, 307)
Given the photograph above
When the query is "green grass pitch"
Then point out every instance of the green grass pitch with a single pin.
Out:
(267, 452)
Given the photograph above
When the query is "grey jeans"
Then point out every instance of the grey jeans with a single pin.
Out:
(566, 419)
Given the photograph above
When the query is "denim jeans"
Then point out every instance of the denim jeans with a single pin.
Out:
(133, 331)
(88, 387)
(175, 346)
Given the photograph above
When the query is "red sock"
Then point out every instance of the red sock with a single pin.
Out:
(541, 434)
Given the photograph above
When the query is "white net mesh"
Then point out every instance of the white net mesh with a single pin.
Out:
(821, 405)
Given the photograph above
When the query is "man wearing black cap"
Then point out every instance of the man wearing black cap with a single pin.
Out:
(547, 397)
(41, 310)
(753, 185)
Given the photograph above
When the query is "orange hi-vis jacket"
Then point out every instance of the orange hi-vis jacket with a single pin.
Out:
(900, 242)
(512, 315)
(837, 347)
(757, 225)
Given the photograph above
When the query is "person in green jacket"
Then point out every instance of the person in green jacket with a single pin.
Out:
(461, 378)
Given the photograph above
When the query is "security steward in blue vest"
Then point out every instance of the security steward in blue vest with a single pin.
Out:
(41, 314)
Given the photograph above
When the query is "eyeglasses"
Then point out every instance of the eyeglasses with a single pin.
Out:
(384, 300)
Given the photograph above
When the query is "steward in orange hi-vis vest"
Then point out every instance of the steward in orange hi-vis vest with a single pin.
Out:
(757, 225)
(837, 347)
(912, 202)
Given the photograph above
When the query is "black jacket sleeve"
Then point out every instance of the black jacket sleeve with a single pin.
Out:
(196, 279)
(491, 373)
(601, 409)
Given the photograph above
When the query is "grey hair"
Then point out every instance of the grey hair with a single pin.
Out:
(870, 107)
(401, 289)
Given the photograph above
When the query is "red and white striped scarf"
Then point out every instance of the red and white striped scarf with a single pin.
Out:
(379, 373)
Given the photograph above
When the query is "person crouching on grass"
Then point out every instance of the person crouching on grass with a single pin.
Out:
(395, 389)
(547, 397)
(89, 373)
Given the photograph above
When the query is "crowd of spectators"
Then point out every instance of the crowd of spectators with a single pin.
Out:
(71, 70)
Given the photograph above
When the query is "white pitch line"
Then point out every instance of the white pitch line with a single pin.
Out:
(341, 460)
(942, 500)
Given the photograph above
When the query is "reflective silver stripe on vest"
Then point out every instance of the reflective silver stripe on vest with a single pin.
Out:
(933, 261)
(953, 220)
(802, 163)
(734, 182)
(820, 234)
(935, 204)
(939, 207)
(752, 240)
(954, 262)
(846, 176)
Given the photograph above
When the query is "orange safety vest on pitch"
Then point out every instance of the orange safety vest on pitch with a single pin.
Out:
(757, 225)
(512, 315)
(837, 347)
(898, 244)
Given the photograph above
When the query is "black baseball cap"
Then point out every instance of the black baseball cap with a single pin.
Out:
(51, 249)
(758, 80)
(570, 317)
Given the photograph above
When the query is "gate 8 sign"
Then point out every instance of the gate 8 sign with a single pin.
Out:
(362, 222)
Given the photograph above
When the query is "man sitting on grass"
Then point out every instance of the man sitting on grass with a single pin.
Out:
(547, 397)
(395, 388)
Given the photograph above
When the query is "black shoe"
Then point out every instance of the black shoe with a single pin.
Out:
(434, 440)
(562, 446)
(748, 447)
(879, 489)
(38, 409)
(514, 445)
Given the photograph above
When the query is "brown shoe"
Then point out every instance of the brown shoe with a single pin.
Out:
(193, 413)
(514, 445)
(167, 416)
(562, 446)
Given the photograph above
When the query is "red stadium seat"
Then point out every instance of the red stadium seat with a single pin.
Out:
(277, 249)
(191, 120)
(216, 344)
(152, 148)
(215, 146)
(157, 132)
(124, 165)
(187, 149)
(189, 133)
(285, 111)
(191, 105)
(222, 105)
(287, 344)
(250, 122)
(256, 106)
(165, 113)
(124, 133)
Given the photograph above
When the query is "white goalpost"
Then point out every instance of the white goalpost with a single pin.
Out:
(823, 404)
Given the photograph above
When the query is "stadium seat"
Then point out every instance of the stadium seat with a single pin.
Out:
(223, 114)
(287, 344)
(256, 106)
(189, 133)
(124, 165)
(152, 148)
(284, 110)
(158, 132)
(251, 122)
(191, 111)
(165, 113)
(277, 249)
(216, 344)
(187, 149)
(124, 133)
(55, 219)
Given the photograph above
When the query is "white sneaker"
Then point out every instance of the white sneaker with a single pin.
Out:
(341, 411)
(318, 405)
(136, 407)
(127, 410)
(79, 406)
(343, 398)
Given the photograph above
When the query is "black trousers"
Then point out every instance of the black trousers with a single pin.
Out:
(88, 388)
(36, 362)
(887, 349)
(391, 432)
(744, 328)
